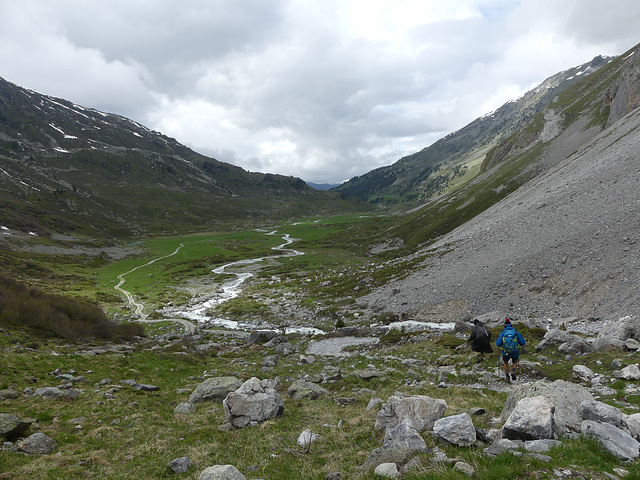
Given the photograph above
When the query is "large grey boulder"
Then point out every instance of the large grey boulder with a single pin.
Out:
(601, 412)
(566, 397)
(214, 389)
(11, 426)
(254, 402)
(456, 429)
(532, 419)
(631, 424)
(221, 472)
(37, 444)
(583, 373)
(617, 442)
(418, 411)
(630, 372)
(616, 332)
(565, 342)
(300, 390)
(404, 436)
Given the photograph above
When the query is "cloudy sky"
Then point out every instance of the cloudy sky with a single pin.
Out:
(319, 89)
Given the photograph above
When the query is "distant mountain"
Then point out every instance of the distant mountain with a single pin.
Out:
(65, 168)
(322, 186)
(458, 157)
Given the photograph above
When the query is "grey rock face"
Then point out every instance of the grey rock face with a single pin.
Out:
(214, 389)
(601, 412)
(404, 436)
(38, 444)
(456, 429)
(566, 398)
(614, 440)
(532, 419)
(418, 411)
(254, 402)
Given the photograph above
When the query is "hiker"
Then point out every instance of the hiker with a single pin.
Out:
(509, 341)
(480, 340)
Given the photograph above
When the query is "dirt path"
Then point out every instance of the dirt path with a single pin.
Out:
(189, 327)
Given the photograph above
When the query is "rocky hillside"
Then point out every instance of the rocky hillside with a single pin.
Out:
(68, 169)
(415, 179)
(562, 239)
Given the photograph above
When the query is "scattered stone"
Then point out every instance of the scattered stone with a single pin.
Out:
(373, 403)
(306, 438)
(271, 361)
(456, 429)
(12, 426)
(8, 394)
(404, 436)
(261, 336)
(37, 444)
(301, 390)
(55, 392)
(181, 465)
(254, 402)
(500, 446)
(333, 476)
(532, 419)
(465, 468)
(215, 389)
(184, 408)
(419, 411)
(617, 442)
(540, 446)
(630, 372)
(368, 373)
(389, 470)
(284, 349)
(601, 412)
(307, 359)
(583, 374)
(146, 388)
(221, 472)
(397, 455)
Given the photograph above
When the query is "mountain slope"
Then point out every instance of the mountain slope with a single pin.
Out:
(65, 168)
(551, 227)
(414, 179)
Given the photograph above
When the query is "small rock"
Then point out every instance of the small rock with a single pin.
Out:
(181, 465)
(307, 437)
(221, 472)
(389, 470)
(37, 444)
(146, 388)
(464, 468)
(184, 408)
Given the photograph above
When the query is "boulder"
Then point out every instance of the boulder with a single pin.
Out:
(261, 336)
(221, 472)
(500, 446)
(617, 442)
(404, 436)
(300, 390)
(8, 394)
(214, 389)
(37, 444)
(181, 465)
(284, 349)
(398, 455)
(631, 423)
(456, 429)
(307, 437)
(615, 333)
(389, 470)
(464, 468)
(368, 373)
(418, 411)
(12, 426)
(630, 372)
(565, 397)
(254, 402)
(532, 419)
(601, 412)
(570, 343)
(146, 387)
(583, 374)
(270, 361)
(540, 446)
(184, 408)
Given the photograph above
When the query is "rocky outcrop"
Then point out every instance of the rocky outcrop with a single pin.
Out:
(214, 389)
(254, 402)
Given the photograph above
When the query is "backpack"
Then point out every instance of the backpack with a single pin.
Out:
(509, 343)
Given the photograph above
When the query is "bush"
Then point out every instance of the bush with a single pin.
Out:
(57, 315)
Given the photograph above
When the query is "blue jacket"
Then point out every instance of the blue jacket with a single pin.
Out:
(519, 337)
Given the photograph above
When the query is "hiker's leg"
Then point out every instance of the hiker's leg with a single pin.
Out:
(514, 368)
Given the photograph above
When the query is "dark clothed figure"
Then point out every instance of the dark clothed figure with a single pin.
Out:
(480, 340)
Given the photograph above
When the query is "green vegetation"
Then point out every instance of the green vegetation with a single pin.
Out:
(57, 315)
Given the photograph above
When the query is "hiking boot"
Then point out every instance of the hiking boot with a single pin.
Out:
(513, 375)
(507, 377)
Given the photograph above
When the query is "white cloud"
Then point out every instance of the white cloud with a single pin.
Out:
(319, 89)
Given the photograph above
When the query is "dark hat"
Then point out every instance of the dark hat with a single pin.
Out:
(476, 321)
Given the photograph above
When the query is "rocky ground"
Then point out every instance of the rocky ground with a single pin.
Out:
(564, 245)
